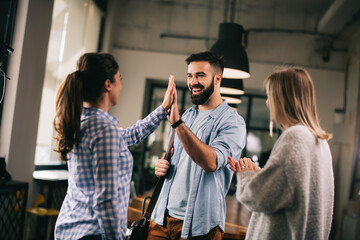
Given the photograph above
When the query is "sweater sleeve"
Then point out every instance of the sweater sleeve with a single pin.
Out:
(265, 191)
(273, 188)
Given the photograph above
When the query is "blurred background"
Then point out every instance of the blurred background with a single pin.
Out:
(150, 40)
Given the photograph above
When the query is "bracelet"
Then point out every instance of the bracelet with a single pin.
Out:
(175, 125)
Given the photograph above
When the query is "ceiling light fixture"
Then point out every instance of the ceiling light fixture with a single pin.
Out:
(232, 86)
(229, 45)
(231, 99)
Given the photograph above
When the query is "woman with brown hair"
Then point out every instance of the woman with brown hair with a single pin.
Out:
(292, 196)
(99, 161)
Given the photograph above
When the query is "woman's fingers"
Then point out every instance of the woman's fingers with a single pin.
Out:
(237, 166)
(174, 114)
(232, 162)
(244, 164)
(171, 81)
(234, 165)
(169, 94)
(254, 167)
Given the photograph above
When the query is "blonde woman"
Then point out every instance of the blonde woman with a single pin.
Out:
(292, 196)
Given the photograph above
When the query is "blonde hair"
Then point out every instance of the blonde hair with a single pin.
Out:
(291, 95)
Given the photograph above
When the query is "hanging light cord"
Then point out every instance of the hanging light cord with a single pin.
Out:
(232, 5)
(233, 10)
(226, 10)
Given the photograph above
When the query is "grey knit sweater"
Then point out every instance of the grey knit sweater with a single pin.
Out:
(292, 196)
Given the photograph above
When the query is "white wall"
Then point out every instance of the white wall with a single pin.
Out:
(135, 67)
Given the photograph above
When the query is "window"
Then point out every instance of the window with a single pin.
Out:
(75, 29)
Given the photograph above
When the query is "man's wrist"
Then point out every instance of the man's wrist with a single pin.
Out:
(176, 124)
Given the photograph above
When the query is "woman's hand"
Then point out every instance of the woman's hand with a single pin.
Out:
(169, 95)
(174, 113)
(161, 167)
(244, 164)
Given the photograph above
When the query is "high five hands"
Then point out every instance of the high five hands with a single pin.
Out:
(174, 112)
(169, 94)
(169, 103)
(244, 164)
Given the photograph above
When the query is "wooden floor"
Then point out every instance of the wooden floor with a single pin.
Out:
(237, 216)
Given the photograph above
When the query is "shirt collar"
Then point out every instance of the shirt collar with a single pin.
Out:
(214, 114)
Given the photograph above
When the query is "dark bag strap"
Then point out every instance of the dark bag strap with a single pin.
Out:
(160, 182)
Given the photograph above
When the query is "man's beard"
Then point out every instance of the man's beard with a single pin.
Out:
(200, 99)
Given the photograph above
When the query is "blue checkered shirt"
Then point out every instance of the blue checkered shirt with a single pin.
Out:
(100, 169)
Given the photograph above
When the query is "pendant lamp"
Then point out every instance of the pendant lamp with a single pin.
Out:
(232, 86)
(229, 45)
(231, 99)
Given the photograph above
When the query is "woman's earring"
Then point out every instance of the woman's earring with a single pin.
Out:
(271, 125)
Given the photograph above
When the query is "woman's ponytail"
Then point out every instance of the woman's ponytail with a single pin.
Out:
(86, 84)
(69, 101)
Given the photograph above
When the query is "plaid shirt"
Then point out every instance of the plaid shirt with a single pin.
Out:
(100, 169)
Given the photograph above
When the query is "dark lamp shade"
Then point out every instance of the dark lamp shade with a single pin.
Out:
(232, 86)
(229, 46)
(232, 105)
(231, 99)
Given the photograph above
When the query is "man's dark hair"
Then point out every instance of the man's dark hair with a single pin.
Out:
(214, 59)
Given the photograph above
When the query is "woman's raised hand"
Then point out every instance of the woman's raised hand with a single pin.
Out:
(244, 164)
(169, 95)
(174, 113)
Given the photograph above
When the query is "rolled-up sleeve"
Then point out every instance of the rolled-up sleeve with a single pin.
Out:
(229, 141)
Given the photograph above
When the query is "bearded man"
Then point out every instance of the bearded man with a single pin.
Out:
(192, 204)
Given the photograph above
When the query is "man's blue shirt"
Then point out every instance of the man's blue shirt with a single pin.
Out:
(225, 132)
